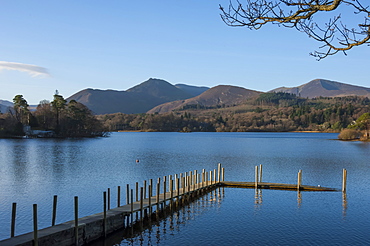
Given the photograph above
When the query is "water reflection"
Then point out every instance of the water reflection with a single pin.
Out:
(165, 223)
(299, 198)
(258, 199)
(20, 162)
(344, 204)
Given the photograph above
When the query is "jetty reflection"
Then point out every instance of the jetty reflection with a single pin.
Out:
(167, 221)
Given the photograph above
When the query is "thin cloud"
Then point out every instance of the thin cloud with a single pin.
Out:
(33, 70)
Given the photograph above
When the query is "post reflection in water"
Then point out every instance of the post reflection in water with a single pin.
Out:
(344, 204)
(166, 222)
(299, 199)
(258, 199)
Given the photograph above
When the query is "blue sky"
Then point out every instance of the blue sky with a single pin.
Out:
(75, 45)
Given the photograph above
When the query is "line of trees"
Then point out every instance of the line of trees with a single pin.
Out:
(57, 118)
(268, 112)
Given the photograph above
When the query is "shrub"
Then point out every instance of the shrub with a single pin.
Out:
(349, 134)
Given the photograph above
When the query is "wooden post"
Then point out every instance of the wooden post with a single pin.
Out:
(219, 172)
(260, 178)
(118, 196)
(203, 177)
(132, 206)
(54, 214)
(164, 189)
(108, 198)
(128, 194)
(150, 198)
(214, 176)
(76, 220)
(144, 191)
(141, 202)
(158, 190)
(223, 174)
(171, 189)
(175, 179)
(104, 212)
(35, 236)
(344, 180)
(256, 177)
(178, 187)
(190, 180)
(151, 184)
(12, 225)
(183, 184)
(196, 181)
(169, 182)
(189, 184)
(299, 182)
(137, 191)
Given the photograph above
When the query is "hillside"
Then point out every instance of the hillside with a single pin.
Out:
(4, 106)
(192, 90)
(325, 88)
(272, 112)
(222, 95)
(137, 99)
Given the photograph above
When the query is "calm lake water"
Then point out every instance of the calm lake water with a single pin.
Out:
(34, 170)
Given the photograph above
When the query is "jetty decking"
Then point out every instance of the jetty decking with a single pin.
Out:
(190, 186)
(275, 186)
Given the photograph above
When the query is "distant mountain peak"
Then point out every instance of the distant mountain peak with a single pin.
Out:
(138, 99)
(325, 88)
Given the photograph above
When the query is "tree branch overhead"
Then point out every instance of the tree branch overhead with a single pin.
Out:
(334, 35)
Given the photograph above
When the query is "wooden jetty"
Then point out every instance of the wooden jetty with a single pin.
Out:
(275, 186)
(191, 185)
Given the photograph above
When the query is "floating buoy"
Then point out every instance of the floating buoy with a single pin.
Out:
(137, 160)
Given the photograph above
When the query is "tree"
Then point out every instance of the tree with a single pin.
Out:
(306, 16)
(362, 123)
(21, 109)
(44, 114)
(78, 121)
(58, 104)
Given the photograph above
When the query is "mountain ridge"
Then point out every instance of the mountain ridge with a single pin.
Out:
(138, 99)
(325, 88)
(152, 93)
(219, 95)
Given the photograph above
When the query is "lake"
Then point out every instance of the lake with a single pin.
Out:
(34, 170)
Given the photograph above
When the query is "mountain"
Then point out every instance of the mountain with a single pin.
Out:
(325, 88)
(138, 99)
(4, 106)
(219, 95)
(192, 90)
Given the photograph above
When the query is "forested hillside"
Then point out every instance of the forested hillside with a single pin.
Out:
(266, 112)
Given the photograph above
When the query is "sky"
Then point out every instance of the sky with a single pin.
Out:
(116, 44)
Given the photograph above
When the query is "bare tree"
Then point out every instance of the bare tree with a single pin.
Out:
(322, 20)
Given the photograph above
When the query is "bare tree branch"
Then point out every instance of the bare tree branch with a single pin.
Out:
(300, 14)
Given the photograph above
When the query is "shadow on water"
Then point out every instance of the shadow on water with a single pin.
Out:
(165, 221)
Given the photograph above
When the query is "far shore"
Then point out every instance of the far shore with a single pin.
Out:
(246, 131)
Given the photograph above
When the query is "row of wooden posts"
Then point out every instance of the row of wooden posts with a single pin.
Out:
(258, 178)
(181, 184)
(176, 185)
